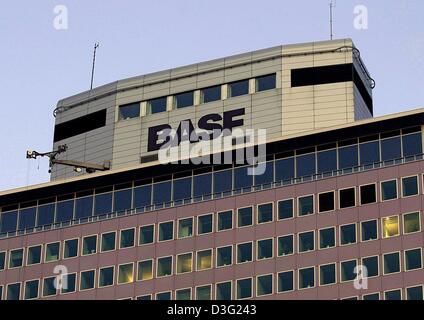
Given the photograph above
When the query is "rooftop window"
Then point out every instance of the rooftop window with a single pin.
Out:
(129, 111)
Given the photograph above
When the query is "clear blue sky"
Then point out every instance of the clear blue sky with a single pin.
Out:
(40, 65)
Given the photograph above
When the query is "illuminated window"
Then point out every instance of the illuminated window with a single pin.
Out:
(265, 249)
(411, 222)
(225, 220)
(34, 255)
(145, 270)
(306, 241)
(285, 281)
(305, 205)
(16, 258)
(89, 245)
(264, 285)
(224, 290)
(52, 252)
(409, 186)
(185, 228)
(244, 288)
(164, 267)
(347, 270)
(388, 190)
(224, 256)
(369, 230)
(244, 252)
(204, 224)
(368, 194)
(70, 249)
(326, 202)
(106, 276)
(184, 263)
(204, 293)
(126, 273)
(166, 231)
(327, 274)
(327, 238)
(183, 294)
(244, 217)
(285, 209)
(87, 280)
(265, 213)
(285, 245)
(127, 238)
(391, 263)
(307, 278)
(204, 259)
(390, 226)
(348, 234)
(413, 259)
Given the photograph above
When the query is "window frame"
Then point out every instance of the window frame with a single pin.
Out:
(340, 234)
(217, 220)
(335, 274)
(114, 282)
(78, 248)
(298, 206)
(293, 247)
(298, 241)
(402, 189)
(257, 213)
(257, 286)
(158, 233)
(82, 245)
(319, 238)
(25, 287)
(120, 238)
(403, 222)
(101, 241)
(272, 249)
(153, 238)
(334, 201)
(232, 256)
(421, 259)
(355, 195)
(27, 256)
(361, 232)
(253, 217)
(381, 190)
(197, 224)
(237, 255)
(298, 278)
(294, 211)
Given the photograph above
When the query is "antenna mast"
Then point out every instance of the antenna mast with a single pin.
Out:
(96, 46)
(332, 5)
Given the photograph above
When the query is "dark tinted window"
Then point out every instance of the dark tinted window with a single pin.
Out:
(204, 224)
(34, 255)
(370, 152)
(285, 281)
(223, 291)
(244, 252)
(211, 94)
(306, 241)
(244, 217)
(129, 111)
(244, 288)
(83, 207)
(327, 161)
(327, 238)
(241, 178)
(222, 181)
(284, 169)
(393, 295)
(412, 144)
(347, 198)
(347, 270)
(46, 214)
(371, 263)
(225, 220)
(183, 100)
(306, 278)
(265, 82)
(368, 194)
(156, 105)
(267, 176)
(285, 245)
(9, 221)
(391, 263)
(65, 211)
(348, 157)
(27, 218)
(103, 204)
(71, 249)
(182, 189)
(142, 196)
(306, 205)
(326, 201)
(348, 234)
(327, 274)
(123, 200)
(162, 192)
(146, 234)
(305, 165)
(409, 186)
(390, 149)
(388, 190)
(285, 209)
(202, 185)
(238, 88)
(369, 230)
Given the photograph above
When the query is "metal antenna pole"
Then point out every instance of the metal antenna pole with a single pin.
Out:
(331, 20)
(96, 46)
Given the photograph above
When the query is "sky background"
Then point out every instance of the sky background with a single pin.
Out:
(40, 65)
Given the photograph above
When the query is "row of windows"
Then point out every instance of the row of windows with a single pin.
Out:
(186, 99)
(306, 241)
(309, 277)
(84, 207)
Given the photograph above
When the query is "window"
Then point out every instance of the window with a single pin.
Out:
(122, 200)
(27, 218)
(305, 165)
(184, 263)
(390, 149)
(285, 281)
(413, 259)
(9, 221)
(52, 252)
(83, 207)
(393, 295)
(70, 249)
(49, 288)
(129, 111)
(391, 263)
(202, 185)
(156, 105)
(166, 231)
(224, 256)
(164, 267)
(142, 196)
(348, 157)
(182, 189)
(371, 265)
(265, 213)
(225, 220)
(204, 259)
(126, 273)
(414, 293)
(72, 281)
(306, 205)
(185, 228)
(146, 297)
(223, 181)
(412, 144)
(162, 193)
(244, 252)
(183, 100)
(264, 285)
(327, 161)
(306, 241)
(389, 190)
(64, 211)
(16, 258)
(204, 292)
(307, 278)
(347, 270)
(265, 249)
(102, 204)
(372, 296)
(285, 209)
(266, 82)
(13, 291)
(163, 296)
(31, 289)
(183, 294)
(347, 234)
(223, 291)
(127, 238)
(369, 152)
(285, 245)
(147, 234)
(266, 177)
(108, 241)
(87, 280)
(390, 226)
(211, 94)
(368, 194)
(238, 88)
(327, 238)
(89, 245)
(409, 186)
(106, 277)
(327, 274)
(204, 224)
(244, 217)
(145, 270)
(284, 169)
(241, 178)
(411, 222)
(2, 260)
(1, 292)
(244, 288)
(46, 214)
(369, 230)
(34, 255)
(347, 198)
(326, 201)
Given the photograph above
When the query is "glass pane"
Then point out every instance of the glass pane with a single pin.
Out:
(204, 224)
(409, 186)
(265, 177)
(164, 267)
(264, 285)
(203, 293)
(284, 169)
(202, 185)
(238, 88)
(13, 291)
(183, 100)
(412, 144)
(370, 152)
(223, 291)
(129, 111)
(347, 269)
(326, 202)
(123, 200)
(83, 207)
(16, 258)
(166, 231)
(348, 157)
(413, 259)
(306, 278)
(390, 226)
(143, 196)
(126, 273)
(71, 284)
(103, 204)
(411, 222)
(285, 281)
(244, 252)
(225, 220)
(145, 270)
(371, 264)
(184, 263)
(49, 288)
(285, 209)
(285, 245)
(89, 245)
(156, 105)
(9, 221)
(241, 178)
(34, 255)
(106, 277)
(368, 194)
(87, 280)
(244, 217)
(369, 230)
(223, 181)
(305, 165)
(327, 274)
(46, 214)
(388, 190)
(393, 295)
(183, 294)
(265, 213)
(265, 82)
(204, 260)
(31, 289)
(391, 263)
(348, 234)
(127, 238)
(108, 241)
(415, 293)
(146, 234)
(327, 161)
(306, 205)
(71, 249)
(52, 252)
(211, 94)
(65, 211)
(185, 228)
(347, 198)
(182, 189)
(244, 288)
(390, 149)
(306, 241)
(224, 256)
(27, 218)
(327, 238)
(163, 296)
(162, 192)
